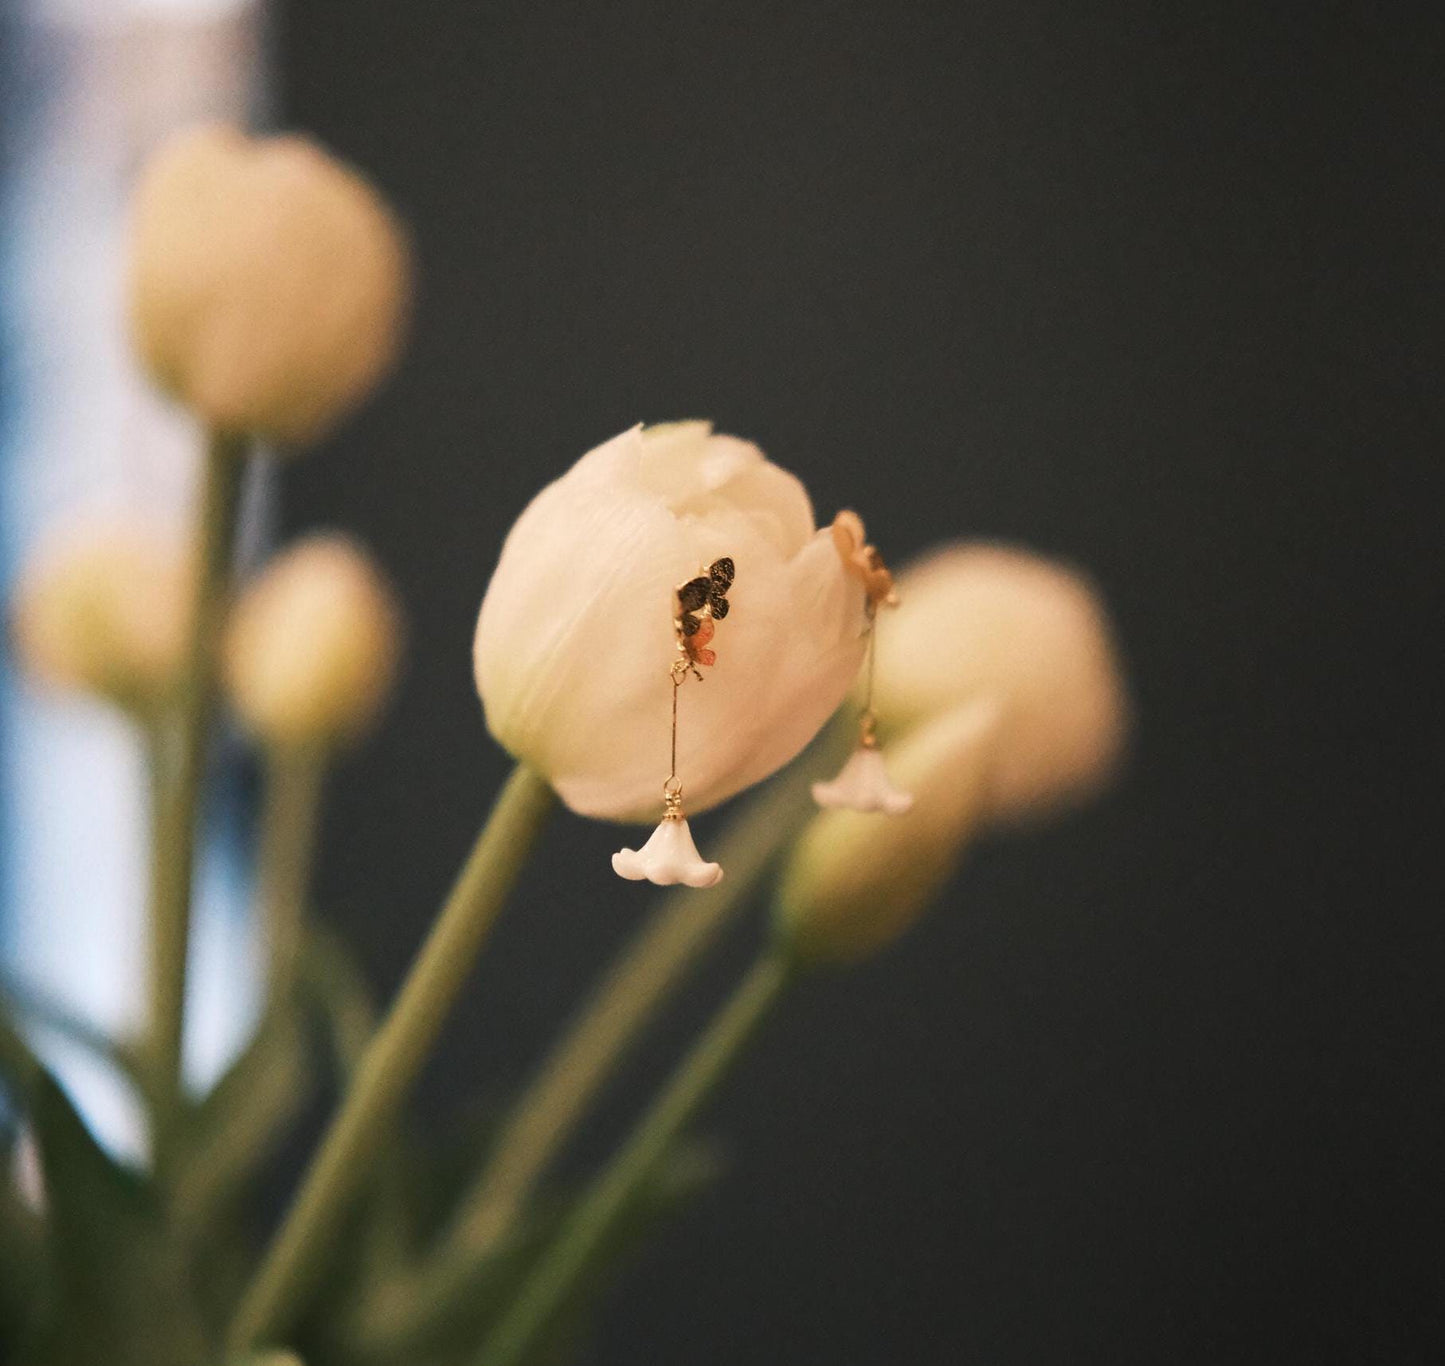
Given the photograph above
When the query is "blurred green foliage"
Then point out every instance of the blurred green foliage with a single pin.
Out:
(113, 1265)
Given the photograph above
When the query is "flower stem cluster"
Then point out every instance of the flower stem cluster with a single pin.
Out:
(268, 288)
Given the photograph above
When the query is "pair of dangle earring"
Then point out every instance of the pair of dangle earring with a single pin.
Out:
(670, 856)
(862, 783)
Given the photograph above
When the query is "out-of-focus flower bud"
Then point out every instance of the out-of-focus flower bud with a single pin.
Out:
(312, 645)
(103, 607)
(575, 642)
(268, 282)
(989, 620)
(855, 882)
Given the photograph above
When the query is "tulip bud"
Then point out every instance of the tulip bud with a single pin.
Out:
(268, 282)
(988, 620)
(103, 608)
(856, 881)
(312, 645)
(575, 641)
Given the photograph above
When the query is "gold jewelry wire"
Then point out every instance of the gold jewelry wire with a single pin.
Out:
(672, 788)
(868, 722)
(676, 684)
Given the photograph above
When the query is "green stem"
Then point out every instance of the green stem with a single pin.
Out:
(289, 813)
(571, 1256)
(635, 987)
(176, 816)
(392, 1061)
(331, 980)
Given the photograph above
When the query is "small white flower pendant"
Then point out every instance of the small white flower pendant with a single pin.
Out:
(668, 857)
(862, 785)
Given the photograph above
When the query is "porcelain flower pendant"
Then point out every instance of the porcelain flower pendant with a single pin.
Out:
(862, 785)
(667, 858)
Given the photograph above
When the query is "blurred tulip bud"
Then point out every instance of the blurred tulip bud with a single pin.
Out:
(312, 645)
(268, 282)
(855, 881)
(575, 641)
(988, 620)
(103, 608)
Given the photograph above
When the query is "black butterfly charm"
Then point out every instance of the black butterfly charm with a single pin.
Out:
(705, 594)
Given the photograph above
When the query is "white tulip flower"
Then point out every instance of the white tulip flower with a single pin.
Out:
(103, 607)
(982, 620)
(575, 640)
(269, 283)
(312, 646)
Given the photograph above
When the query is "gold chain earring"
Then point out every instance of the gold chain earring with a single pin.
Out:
(670, 856)
(862, 783)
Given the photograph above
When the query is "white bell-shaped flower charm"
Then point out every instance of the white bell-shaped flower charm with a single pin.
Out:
(669, 856)
(862, 785)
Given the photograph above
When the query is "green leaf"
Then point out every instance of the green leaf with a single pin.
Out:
(227, 1138)
(336, 989)
(334, 985)
(421, 1312)
(25, 1273)
(18, 1065)
(438, 1312)
(366, 1302)
(692, 1167)
(121, 1286)
(24, 1269)
(28, 1005)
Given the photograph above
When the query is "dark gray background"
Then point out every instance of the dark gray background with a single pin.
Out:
(1152, 287)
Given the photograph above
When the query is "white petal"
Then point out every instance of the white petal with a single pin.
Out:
(818, 652)
(668, 857)
(721, 479)
(862, 785)
(679, 461)
(610, 462)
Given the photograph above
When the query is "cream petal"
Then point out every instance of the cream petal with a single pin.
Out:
(704, 476)
(814, 664)
(609, 748)
(732, 480)
(772, 498)
(580, 606)
(613, 461)
(681, 461)
(862, 785)
(668, 857)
